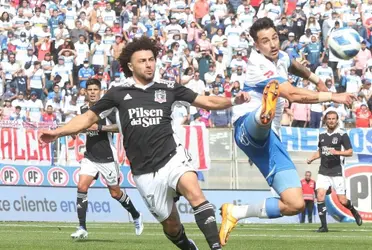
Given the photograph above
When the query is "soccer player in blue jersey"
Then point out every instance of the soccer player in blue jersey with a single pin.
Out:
(257, 125)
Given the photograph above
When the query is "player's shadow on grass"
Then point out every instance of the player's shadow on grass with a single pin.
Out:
(95, 240)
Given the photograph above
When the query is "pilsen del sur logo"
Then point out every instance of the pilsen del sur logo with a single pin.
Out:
(359, 191)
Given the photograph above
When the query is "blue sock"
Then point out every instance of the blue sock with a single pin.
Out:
(272, 208)
(256, 131)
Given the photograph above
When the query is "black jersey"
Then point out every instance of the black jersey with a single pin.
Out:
(145, 121)
(331, 165)
(99, 146)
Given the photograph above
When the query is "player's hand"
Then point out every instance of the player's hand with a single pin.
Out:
(343, 98)
(94, 127)
(322, 87)
(333, 151)
(47, 136)
(309, 161)
(242, 97)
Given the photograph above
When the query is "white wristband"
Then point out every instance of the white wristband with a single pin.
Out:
(325, 96)
(314, 78)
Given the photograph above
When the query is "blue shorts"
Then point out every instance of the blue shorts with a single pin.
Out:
(270, 157)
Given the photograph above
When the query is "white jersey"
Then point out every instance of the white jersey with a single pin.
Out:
(259, 71)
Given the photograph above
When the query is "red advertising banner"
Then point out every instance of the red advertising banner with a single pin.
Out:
(194, 138)
(19, 145)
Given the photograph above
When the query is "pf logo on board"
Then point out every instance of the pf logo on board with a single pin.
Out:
(359, 188)
(33, 176)
(9, 175)
(58, 177)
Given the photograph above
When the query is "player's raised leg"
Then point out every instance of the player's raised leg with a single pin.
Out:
(204, 212)
(126, 202)
(347, 203)
(82, 205)
(253, 134)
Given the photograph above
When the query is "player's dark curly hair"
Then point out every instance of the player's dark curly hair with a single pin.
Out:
(261, 24)
(138, 44)
(93, 82)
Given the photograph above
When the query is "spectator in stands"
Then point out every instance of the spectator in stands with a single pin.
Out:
(21, 102)
(61, 70)
(17, 115)
(363, 117)
(179, 114)
(57, 107)
(36, 79)
(197, 120)
(366, 89)
(353, 82)
(313, 26)
(325, 72)
(43, 47)
(362, 58)
(49, 115)
(34, 108)
(283, 30)
(7, 110)
(300, 114)
(56, 92)
(47, 64)
(287, 115)
(70, 109)
(291, 46)
(85, 73)
(298, 21)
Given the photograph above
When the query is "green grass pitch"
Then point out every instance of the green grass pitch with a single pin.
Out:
(103, 236)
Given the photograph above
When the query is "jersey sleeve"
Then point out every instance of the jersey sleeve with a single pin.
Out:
(184, 94)
(106, 104)
(112, 117)
(346, 142)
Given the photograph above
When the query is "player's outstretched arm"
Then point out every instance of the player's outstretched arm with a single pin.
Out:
(301, 95)
(219, 102)
(77, 124)
(300, 70)
(113, 128)
(315, 156)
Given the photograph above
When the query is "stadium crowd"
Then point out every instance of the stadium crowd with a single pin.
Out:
(50, 48)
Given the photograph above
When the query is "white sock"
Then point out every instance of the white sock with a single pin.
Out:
(257, 116)
(247, 211)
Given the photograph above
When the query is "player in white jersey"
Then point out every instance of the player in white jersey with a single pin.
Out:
(257, 125)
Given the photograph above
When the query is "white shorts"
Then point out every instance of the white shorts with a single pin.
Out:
(109, 171)
(336, 182)
(158, 190)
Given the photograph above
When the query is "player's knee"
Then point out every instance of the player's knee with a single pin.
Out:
(299, 207)
(115, 194)
(82, 187)
(343, 200)
(295, 206)
(171, 226)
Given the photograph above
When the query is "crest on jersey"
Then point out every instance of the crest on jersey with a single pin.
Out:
(160, 96)
(334, 140)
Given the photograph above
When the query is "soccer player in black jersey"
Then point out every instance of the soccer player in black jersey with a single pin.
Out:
(159, 163)
(100, 158)
(334, 144)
